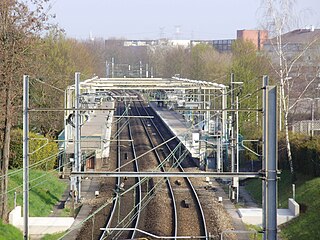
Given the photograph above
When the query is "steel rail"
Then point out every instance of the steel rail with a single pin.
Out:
(138, 198)
(142, 204)
(174, 206)
(156, 236)
(115, 200)
(194, 193)
(68, 109)
(128, 219)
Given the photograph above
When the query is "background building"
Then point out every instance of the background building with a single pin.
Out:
(257, 37)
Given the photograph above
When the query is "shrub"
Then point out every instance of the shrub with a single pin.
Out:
(305, 154)
(42, 151)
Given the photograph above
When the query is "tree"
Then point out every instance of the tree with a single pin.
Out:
(287, 64)
(175, 62)
(44, 151)
(19, 31)
(216, 64)
(59, 59)
(96, 48)
(248, 66)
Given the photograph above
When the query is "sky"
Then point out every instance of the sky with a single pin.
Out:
(173, 19)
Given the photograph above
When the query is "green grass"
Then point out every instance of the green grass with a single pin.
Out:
(9, 232)
(258, 235)
(45, 191)
(284, 188)
(53, 236)
(307, 225)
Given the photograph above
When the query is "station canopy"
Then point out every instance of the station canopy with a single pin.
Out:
(148, 84)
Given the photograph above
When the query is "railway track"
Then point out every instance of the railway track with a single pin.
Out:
(150, 207)
(187, 204)
(154, 207)
(126, 214)
(172, 230)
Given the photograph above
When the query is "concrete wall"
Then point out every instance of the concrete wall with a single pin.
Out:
(294, 207)
(254, 215)
(40, 225)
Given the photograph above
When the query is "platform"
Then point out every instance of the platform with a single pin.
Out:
(95, 133)
(181, 128)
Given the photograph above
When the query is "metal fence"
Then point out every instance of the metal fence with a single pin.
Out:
(307, 127)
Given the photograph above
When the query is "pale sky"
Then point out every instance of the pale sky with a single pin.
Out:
(174, 19)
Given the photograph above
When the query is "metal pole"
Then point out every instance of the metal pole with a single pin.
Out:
(312, 117)
(280, 107)
(147, 70)
(107, 69)
(257, 114)
(219, 169)
(140, 69)
(237, 147)
(77, 150)
(25, 157)
(265, 81)
(232, 135)
(270, 162)
(293, 191)
(224, 124)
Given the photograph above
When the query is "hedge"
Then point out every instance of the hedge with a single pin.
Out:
(305, 154)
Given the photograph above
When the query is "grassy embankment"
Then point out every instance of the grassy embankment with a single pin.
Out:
(45, 191)
(307, 225)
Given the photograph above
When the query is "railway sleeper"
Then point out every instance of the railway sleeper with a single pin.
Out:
(186, 203)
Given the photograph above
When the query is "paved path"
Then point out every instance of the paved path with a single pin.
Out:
(58, 208)
(88, 189)
(231, 208)
(246, 198)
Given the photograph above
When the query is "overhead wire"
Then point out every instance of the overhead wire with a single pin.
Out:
(47, 84)
(109, 201)
(32, 180)
(122, 166)
(33, 165)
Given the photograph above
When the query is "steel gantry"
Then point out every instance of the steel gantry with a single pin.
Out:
(204, 104)
(203, 101)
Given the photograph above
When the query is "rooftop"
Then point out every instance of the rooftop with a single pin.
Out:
(300, 36)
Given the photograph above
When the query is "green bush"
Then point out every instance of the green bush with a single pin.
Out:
(305, 154)
(44, 152)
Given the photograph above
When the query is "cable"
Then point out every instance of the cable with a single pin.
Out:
(149, 197)
(47, 84)
(109, 201)
(32, 180)
(13, 173)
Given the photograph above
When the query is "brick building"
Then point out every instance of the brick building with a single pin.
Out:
(257, 37)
